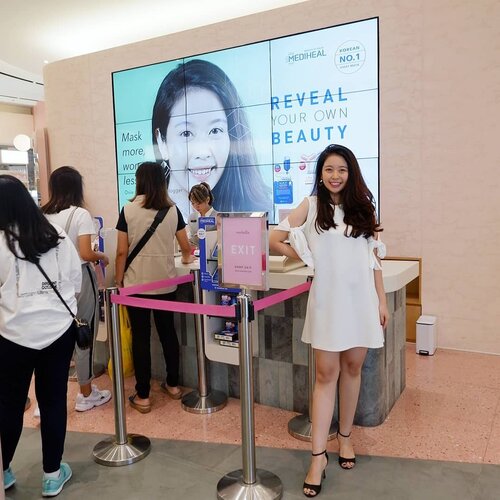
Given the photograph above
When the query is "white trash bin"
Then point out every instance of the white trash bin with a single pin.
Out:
(426, 335)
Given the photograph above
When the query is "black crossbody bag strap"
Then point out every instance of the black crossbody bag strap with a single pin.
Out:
(55, 289)
(147, 235)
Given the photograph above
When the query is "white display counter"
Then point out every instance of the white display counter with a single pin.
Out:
(396, 274)
(281, 359)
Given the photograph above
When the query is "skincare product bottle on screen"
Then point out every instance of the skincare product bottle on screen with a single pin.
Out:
(287, 179)
(286, 168)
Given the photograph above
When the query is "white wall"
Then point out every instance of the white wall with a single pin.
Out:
(440, 179)
(14, 120)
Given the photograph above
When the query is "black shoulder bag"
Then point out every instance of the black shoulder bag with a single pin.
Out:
(82, 328)
(147, 235)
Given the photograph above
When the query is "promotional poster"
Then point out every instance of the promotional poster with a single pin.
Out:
(209, 256)
(250, 121)
(244, 250)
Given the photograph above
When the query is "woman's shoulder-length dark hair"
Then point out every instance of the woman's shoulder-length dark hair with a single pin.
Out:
(22, 221)
(201, 192)
(357, 200)
(241, 186)
(65, 190)
(150, 182)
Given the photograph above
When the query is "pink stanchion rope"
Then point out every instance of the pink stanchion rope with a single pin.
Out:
(186, 307)
(154, 285)
(171, 305)
(281, 296)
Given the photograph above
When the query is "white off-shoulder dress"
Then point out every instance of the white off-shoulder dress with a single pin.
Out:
(343, 307)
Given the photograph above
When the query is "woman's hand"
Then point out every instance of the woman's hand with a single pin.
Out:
(184, 245)
(384, 315)
(188, 260)
(104, 259)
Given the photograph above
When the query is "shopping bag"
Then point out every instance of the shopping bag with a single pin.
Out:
(126, 338)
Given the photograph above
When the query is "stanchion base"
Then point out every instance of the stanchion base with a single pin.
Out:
(194, 403)
(267, 486)
(300, 427)
(109, 453)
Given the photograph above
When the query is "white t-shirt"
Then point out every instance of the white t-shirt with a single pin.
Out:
(193, 225)
(31, 314)
(81, 223)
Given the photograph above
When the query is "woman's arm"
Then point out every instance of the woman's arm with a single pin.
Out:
(121, 257)
(277, 237)
(379, 287)
(193, 229)
(86, 252)
(278, 246)
(72, 260)
(382, 302)
(183, 241)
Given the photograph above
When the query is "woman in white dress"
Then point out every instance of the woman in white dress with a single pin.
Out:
(347, 309)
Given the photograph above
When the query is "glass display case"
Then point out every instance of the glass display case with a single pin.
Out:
(24, 166)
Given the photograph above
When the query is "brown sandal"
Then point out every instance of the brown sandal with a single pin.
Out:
(166, 390)
(140, 408)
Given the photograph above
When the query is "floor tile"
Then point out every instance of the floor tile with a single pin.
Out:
(449, 397)
(183, 470)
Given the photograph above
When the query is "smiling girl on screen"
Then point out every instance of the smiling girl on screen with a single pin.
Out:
(201, 134)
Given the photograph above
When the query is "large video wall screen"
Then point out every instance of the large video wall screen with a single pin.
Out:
(251, 120)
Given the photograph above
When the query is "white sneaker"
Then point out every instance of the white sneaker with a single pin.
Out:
(36, 413)
(96, 398)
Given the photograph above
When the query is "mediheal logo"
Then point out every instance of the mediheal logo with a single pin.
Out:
(350, 56)
(294, 57)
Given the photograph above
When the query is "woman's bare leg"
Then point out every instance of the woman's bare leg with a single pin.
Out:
(351, 363)
(327, 374)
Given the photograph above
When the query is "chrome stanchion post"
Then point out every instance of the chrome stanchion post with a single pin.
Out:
(203, 400)
(246, 393)
(300, 427)
(123, 448)
(248, 483)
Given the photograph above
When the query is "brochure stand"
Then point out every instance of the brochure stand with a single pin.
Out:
(243, 256)
(212, 293)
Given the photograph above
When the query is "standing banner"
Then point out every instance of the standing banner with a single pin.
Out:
(243, 250)
(209, 270)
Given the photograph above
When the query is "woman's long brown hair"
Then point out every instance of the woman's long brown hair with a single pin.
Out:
(356, 199)
(150, 182)
(65, 189)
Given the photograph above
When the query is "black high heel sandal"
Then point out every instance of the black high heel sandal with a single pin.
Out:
(316, 487)
(345, 462)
